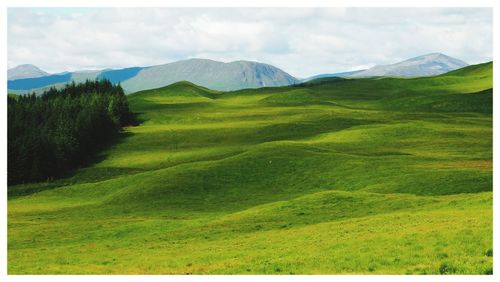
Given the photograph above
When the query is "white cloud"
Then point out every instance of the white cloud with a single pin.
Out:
(301, 41)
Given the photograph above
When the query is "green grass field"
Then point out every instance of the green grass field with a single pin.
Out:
(383, 175)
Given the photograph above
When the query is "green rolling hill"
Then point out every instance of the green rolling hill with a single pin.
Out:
(382, 175)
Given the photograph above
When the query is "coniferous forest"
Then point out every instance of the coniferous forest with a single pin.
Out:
(53, 133)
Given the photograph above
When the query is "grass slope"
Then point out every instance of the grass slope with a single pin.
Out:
(344, 176)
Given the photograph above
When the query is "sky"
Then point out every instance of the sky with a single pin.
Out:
(301, 41)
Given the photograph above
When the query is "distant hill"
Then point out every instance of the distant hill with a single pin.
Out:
(25, 71)
(426, 65)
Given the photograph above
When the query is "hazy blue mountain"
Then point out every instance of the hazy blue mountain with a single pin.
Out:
(337, 74)
(25, 71)
(211, 74)
(38, 82)
(426, 65)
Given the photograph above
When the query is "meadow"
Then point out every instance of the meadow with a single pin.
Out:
(334, 176)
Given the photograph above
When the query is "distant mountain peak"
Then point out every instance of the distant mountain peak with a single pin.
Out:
(435, 57)
(25, 71)
(424, 65)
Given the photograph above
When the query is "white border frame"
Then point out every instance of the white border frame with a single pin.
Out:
(4, 4)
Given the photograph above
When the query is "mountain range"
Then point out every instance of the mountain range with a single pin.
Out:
(216, 75)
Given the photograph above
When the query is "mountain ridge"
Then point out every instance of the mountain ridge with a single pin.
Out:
(211, 74)
(217, 75)
(424, 65)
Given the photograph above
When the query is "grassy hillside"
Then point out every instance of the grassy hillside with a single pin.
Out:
(333, 176)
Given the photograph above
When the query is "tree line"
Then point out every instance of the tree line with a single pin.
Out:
(61, 129)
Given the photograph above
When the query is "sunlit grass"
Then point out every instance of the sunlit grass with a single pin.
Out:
(354, 176)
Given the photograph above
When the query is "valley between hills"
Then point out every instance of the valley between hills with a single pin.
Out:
(332, 176)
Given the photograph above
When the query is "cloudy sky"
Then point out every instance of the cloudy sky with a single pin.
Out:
(301, 41)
